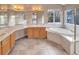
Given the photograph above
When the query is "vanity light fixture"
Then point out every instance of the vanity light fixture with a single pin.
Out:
(36, 9)
(3, 8)
(39, 8)
(33, 8)
(18, 7)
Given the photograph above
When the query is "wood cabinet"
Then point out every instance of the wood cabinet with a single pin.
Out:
(12, 40)
(30, 32)
(0, 48)
(37, 33)
(43, 33)
(6, 45)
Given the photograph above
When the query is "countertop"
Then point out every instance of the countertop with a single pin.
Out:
(6, 31)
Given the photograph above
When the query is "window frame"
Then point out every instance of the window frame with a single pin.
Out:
(66, 17)
(54, 13)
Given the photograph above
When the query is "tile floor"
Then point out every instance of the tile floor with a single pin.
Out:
(26, 46)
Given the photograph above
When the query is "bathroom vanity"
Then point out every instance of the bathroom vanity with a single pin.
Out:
(36, 33)
(7, 41)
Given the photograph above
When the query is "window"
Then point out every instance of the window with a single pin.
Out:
(77, 30)
(54, 15)
(57, 16)
(70, 17)
(50, 17)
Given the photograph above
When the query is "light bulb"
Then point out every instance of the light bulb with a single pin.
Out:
(33, 8)
(22, 7)
(19, 7)
(36, 8)
(39, 8)
(2, 8)
(15, 7)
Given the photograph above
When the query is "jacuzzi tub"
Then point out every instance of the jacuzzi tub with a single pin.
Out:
(63, 37)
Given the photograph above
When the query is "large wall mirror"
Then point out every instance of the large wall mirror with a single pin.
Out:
(38, 17)
(3, 19)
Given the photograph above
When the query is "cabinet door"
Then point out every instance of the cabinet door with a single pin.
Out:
(30, 33)
(43, 33)
(6, 46)
(12, 40)
(0, 48)
(36, 32)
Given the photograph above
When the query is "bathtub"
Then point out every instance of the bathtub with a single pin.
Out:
(62, 37)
